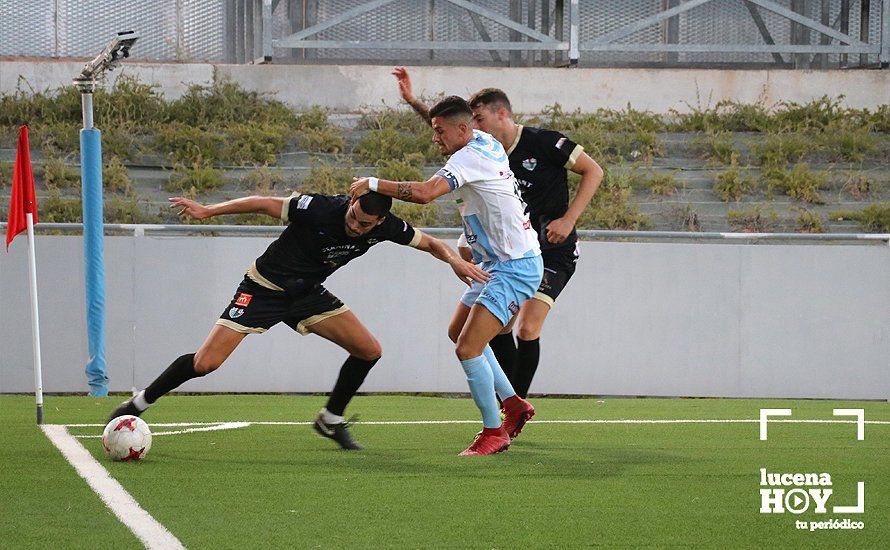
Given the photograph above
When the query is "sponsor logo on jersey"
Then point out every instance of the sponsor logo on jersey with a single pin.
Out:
(235, 312)
(527, 224)
(373, 241)
(559, 142)
(530, 164)
(243, 299)
(304, 201)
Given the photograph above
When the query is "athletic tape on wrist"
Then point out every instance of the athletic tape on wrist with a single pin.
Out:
(372, 183)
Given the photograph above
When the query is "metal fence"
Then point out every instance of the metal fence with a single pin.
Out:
(783, 33)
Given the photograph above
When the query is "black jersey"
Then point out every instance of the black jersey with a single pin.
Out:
(315, 243)
(539, 160)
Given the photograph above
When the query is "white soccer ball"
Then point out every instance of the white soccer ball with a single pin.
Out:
(126, 438)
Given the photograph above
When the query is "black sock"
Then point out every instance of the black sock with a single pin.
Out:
(352, 374)
(528, 352)
(179, 371)
(504, 349)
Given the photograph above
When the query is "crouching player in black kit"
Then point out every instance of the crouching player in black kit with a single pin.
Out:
(285, 285)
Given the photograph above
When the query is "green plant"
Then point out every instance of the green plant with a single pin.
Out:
(734, 183)
(252, 144)
(189, 144)
(54, 208)
(418, 215)
(611, 207)
(390, 143)
(809, 222)
(128, 208)
(58, 174)
(328, 179)
(752, 219)
(263, 180)
(874, 217)
(224, 102)
(663, 184)
(716, 147)
(198, 178)
(6, 170)
(315, 118)
(799, 183)
(327, 139)
(777, 150)
(406, 169)
(130, 104)
(842, 143)
(115, 176)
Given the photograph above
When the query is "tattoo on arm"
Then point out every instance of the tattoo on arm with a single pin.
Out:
(405, 192)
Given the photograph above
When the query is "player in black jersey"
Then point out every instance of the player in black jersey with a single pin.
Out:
(539, 159)
(285, 285)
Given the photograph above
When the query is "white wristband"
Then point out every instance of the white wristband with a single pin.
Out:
(372, 183)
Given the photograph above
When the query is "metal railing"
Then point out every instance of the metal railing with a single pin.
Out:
(782, 33)
(140, 230)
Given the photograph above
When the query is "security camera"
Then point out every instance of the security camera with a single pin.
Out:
(110, 58)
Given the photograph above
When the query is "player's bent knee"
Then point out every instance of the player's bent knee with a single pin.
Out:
(205, 364)
(369, 352)
(466, 351)
(526, 332)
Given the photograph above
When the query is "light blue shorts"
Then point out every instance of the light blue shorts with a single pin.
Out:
(511, 284)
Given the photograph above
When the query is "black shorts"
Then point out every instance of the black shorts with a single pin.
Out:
(256, 309)
(559, 266)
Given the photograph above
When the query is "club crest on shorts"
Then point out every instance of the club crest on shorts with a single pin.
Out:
(513, 307)
(529, 164)
(243, 299)
(235, 312)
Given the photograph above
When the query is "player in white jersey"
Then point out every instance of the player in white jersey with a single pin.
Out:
(498, 231)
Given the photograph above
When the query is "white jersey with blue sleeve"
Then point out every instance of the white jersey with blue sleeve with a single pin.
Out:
(496, 226)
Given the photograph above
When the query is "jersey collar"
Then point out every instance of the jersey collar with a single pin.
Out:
(515, 141)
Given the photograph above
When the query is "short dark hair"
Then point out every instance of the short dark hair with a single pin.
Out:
(375, 204)
(490, 97)
(451, 106)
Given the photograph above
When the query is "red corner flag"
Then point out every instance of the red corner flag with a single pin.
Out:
(23, 200)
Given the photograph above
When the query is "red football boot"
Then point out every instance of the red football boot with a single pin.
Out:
(488, 442)
(517, 411)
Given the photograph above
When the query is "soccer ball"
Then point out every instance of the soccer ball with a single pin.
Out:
(126, 438)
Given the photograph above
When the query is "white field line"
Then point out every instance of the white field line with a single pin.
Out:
(141, 523)
(202, 428)
(242, 424)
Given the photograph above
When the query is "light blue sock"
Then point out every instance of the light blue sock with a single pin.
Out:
(482, 389)
(501, 383)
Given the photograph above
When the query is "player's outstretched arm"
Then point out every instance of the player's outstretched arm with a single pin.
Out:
(246, 205)
(591, 176)
(465, 271)
(420, 192)
(401, 74)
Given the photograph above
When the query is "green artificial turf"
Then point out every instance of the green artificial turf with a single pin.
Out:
(559, 486)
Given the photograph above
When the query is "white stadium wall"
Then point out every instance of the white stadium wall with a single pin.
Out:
(346, 88)
(737, 320)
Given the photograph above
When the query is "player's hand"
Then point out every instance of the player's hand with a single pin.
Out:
(401, 74)
(559, 230)
(359, 187)
(189, 208)
(468, 272)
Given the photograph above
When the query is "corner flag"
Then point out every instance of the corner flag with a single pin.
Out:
(23, 200)
(23, 216)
